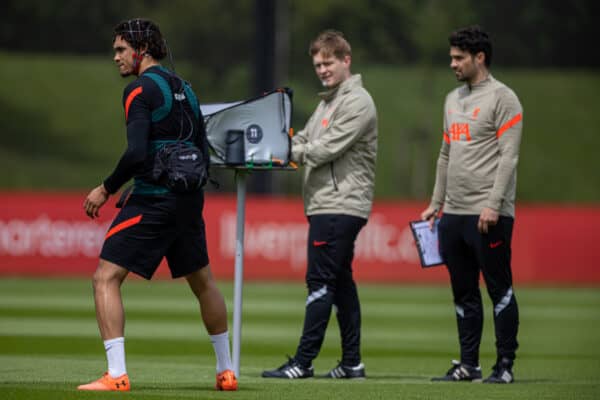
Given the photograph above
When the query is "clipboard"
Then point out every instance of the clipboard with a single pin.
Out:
(427, 242)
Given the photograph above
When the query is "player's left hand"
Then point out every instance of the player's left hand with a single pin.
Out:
(487, 218)
(94, 201)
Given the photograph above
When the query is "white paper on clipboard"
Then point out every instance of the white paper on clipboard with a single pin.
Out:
(427, 242)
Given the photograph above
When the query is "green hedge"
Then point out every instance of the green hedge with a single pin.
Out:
(63, 127)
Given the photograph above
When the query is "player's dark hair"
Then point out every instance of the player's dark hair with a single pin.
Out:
(139, 32)
(473, 39)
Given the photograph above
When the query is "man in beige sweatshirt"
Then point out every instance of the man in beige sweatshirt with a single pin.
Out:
(338, 148)
(475, 186)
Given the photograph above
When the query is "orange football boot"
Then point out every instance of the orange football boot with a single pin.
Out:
(107, 382)
(226, 380)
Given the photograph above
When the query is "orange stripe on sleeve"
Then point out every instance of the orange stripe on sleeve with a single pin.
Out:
(123, 225)
(517, 118)
(130, 98)
(446, 138)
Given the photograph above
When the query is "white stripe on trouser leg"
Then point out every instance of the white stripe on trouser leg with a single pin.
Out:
(504, 302)
(316, 295)
(460, 311)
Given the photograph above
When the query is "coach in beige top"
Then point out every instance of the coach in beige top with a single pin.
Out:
(338, 148)
(475, 186)
(477, 166)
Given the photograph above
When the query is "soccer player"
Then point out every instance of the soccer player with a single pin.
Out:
(154, 222)
(338, 148)
(476, 183)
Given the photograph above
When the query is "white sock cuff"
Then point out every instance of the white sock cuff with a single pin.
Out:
(108, 343)
(219, 337)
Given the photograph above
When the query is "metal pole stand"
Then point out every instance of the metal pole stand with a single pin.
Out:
(241, 173)
(240, 177)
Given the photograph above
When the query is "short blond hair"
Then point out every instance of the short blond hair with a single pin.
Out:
(330, 42)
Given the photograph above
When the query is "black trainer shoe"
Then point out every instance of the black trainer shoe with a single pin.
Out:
(347, 372)
(290, 370)
(501, 372)
(460, 372)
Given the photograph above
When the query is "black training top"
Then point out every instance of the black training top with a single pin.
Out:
(159, 107)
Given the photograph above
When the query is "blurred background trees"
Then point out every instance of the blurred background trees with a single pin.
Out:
(218, 34)
(58, 51)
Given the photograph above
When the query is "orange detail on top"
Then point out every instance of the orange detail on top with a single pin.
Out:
(123, 225)
(446, 138)
(457, 130)
(291, 132)
(324, 122)
(517, 118)
(476, 112)
(130, 98)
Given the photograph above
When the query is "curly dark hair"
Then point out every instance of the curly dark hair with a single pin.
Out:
(139, 32)
(474, 40)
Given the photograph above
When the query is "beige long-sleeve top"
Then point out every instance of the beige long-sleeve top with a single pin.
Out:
(338, 148)
(477, 164)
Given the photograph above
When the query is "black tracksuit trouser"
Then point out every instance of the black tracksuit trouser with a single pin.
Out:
(466, 252)
(329, 281)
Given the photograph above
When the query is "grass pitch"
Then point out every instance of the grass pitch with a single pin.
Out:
(49, 343)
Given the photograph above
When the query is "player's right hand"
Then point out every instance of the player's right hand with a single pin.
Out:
(94, 200)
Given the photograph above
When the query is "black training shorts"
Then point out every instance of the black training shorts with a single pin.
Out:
(149, 228)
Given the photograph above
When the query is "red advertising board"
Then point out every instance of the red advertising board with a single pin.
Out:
(48, 234)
